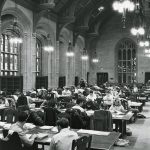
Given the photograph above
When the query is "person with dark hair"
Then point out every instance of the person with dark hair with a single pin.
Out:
(83, 114)
(20, 129)
(22, 100)
(79, 104)
(91, 96)
(63, 140)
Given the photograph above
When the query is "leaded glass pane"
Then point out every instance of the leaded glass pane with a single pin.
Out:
(126, 61)
(9, 56)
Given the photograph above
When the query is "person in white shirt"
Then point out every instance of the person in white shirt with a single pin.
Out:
(108, 98)
(66, 92)
(91, 96)
(21, 130)
(117, 107)
(79, 104)
(63, 139)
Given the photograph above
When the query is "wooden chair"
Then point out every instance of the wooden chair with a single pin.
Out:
(10, 115)
(82, 143)
(103, 120)
(50, 116)
(11, 142)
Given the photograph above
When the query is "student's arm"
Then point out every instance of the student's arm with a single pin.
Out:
(52, 145)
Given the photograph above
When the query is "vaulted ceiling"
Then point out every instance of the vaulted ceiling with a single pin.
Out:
(83, 15)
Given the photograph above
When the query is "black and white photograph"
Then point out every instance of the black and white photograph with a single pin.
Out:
(74, 74)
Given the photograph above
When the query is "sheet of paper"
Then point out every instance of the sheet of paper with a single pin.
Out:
(94, 132)
(42, 135)
(28, 135)
(7, 126)
(49, 139)
(29, 126)
(2, 123)
(46, 127)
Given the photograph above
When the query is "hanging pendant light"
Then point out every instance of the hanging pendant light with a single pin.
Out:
(49, 47)
(95, 59)
(15, 38)
(84, 55)
(122, 7)
(70, 52)
(138, 28)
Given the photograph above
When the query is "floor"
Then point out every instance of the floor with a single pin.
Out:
(140, 139)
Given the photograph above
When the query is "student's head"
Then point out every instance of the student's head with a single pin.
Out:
(22, 117)
(117, 102)
(80, 101)
(62, 123)
(91, 92)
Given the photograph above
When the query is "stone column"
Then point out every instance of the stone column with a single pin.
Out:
(0, 45)
(50, 70)
(27, 62)
(84, 69)
(67, 71)
(24, 62)
(57, 64)
(33, 48)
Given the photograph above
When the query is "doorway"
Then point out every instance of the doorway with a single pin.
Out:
(102, 77)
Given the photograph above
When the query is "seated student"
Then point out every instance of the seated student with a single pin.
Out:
(21, 130)
(83, 114)
(91, 96)
(108, 98)
(63, 139)
(66, 92)
(79, 104)
(116, 106)
(22, 100)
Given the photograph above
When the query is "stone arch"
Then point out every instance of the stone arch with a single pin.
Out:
(64, 35)
(44, 28)
(80, 41)
(23, 19)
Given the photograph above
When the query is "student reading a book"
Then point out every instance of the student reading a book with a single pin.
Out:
(63, 140)
(21, 130)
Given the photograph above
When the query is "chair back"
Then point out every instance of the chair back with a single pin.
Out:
(11, 142)
(82, 143)
(76, 121)
(22, 108)
(50, 116)
(103, 120)
(124, 103)
(10, 115)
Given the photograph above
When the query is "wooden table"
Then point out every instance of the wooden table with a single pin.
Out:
(122, 119)
(136, 105)
(99, 142)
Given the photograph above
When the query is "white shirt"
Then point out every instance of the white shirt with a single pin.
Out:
(63, 140)
(78, 107)
(66, 93)
(91, 97)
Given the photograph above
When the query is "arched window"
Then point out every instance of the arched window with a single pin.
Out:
(9, 57)
(127, 63)
(38, 57)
